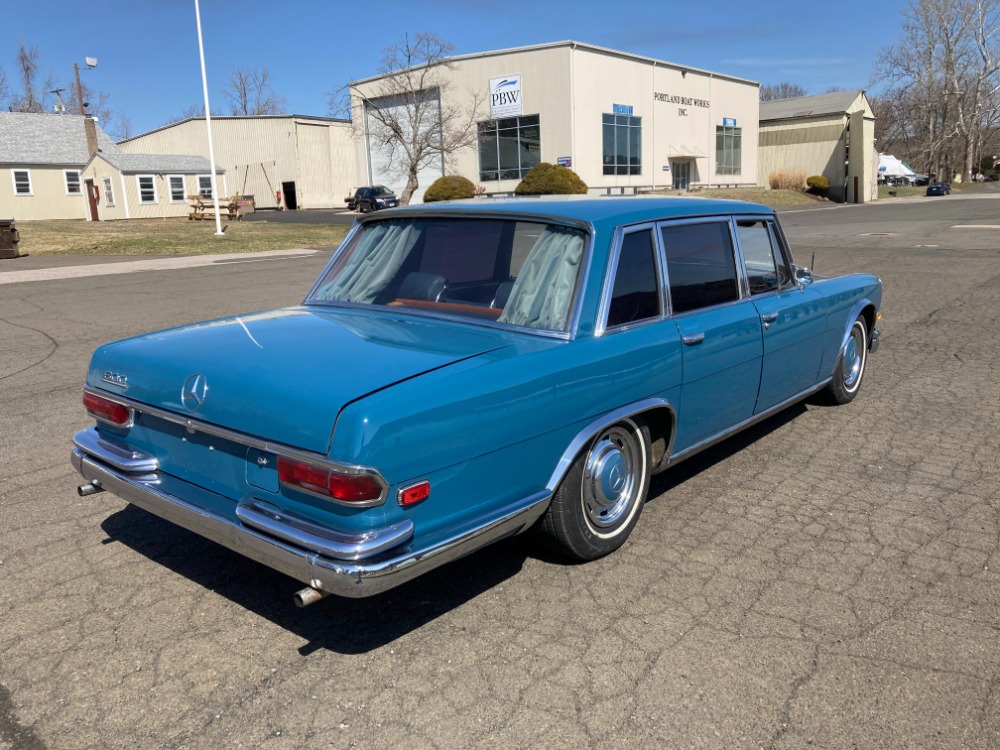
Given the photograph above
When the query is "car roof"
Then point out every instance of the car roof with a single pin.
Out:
(591, 209)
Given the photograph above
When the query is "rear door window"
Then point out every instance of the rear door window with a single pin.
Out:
(635, 295)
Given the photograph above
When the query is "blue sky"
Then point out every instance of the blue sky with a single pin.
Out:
(148, 50)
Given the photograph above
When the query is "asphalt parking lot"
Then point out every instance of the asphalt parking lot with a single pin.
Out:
(829, 579)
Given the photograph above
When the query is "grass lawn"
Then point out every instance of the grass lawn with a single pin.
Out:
(169, 237)
(772, 198)
(956, 187)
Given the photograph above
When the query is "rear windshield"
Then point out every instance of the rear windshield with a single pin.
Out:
(520, 273)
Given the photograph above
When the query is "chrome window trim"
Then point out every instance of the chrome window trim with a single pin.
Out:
(611, 271)
(576, 307)
(197, 426)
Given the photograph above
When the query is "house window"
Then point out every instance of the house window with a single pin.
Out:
(205, 185)
(22, 181)
(72, 177)
(147, 188)
(176, 183)
(109, 196)
(622, 144)
(508, 148)
(728, 150)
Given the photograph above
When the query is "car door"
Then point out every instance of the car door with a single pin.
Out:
(792, 317)
(719, 326)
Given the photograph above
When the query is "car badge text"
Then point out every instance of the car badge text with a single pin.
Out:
(194, 392)
(115, 378)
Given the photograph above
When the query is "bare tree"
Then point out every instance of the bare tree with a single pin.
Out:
(783, 90)
(946, 67)
(195, 110)
(32, 97)
(96, 102)
(121, 127)
(250, 93)
(408, 114)
(4, 90)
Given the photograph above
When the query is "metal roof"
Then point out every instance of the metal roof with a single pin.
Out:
(36, 138)
(573, 45)
(161, 163)
(305, 118)
(835, 103)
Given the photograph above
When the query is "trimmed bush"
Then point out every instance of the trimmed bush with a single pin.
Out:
(449, 188)
(787, 179)
(818, 184)
(551, 179)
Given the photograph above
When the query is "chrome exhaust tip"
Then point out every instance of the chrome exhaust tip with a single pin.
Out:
(308, 595)
(89, 489)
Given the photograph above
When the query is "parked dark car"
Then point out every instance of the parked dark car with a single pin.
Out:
(349, 200)
(372, 198)
(939, 188)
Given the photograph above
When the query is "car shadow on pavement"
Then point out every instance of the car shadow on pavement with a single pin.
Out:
(354, 626)
(343, 625)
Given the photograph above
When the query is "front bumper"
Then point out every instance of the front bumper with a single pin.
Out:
(353, 565)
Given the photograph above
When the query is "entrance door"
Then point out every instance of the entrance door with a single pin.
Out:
(288, 191)
(682, 174)
(92, 198)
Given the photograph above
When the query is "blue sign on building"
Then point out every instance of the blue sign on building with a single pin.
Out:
(729, 122)
(621, 109)
(565, 161)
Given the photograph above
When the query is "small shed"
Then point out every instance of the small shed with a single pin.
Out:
(832, 135)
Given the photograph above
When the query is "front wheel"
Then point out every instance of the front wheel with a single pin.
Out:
(599, 500)
(850, 368)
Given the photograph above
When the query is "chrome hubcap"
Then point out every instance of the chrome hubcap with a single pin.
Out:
(610, 481)
(854, 357)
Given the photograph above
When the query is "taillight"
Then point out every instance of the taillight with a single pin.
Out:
(347, 488)
(107, 410)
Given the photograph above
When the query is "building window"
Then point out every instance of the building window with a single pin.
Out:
(205, 185)
(728, 150)
(109, 196)
(72, 177)
(508, 148)
(176, 183)
(622, 144)
(147, 188)
(22, 181)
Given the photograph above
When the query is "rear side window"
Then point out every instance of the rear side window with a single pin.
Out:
(636, 292)
(701, 266)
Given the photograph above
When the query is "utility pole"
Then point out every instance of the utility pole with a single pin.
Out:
(79, 89)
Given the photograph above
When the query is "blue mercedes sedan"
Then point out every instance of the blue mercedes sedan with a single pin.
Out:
(463, 372)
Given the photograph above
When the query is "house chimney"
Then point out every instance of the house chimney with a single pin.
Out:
(91, 129)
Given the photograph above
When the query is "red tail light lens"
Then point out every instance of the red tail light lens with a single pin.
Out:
(107, 410)
(347, 488)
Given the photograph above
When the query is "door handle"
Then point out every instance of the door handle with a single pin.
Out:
(692, 339)
(769, 318)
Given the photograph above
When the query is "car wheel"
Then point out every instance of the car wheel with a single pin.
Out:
(599, 500)
(850, 368)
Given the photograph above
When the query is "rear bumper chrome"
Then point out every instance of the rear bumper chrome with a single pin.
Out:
(353, 565)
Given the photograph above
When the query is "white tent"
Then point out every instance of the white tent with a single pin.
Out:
(889, 167)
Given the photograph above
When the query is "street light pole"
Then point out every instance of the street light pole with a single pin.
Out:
(208, 123)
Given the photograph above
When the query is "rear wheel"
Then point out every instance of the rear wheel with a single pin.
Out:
(850, 368)
(599, 500)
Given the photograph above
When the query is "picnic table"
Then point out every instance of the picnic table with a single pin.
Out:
(202, 208)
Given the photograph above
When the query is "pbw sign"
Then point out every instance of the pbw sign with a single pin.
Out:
(505, 96)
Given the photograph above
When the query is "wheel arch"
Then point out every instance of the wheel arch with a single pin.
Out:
(657, 413)
(864, 309)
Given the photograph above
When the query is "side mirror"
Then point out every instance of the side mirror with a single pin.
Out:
(803, 275)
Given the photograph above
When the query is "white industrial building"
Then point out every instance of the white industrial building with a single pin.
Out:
(623, 122)
(308, 160)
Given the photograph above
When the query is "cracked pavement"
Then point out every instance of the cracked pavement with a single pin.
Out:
(828, 579)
